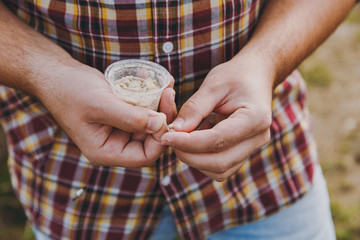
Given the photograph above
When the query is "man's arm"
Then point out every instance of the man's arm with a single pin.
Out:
(241, 89)
(79, 98)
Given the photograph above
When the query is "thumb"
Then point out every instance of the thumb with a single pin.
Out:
(133, 119)
(194, 110)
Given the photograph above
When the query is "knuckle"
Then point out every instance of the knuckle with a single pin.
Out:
(266, 137)
(148, 163)
(266, 120)
(219, 145)
(225, 175)
(220, 177)
(101, 158)
(222, 167)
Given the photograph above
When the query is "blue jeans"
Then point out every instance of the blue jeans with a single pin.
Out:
(309, 218)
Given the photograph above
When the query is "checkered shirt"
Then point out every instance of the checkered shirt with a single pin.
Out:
(67, 198)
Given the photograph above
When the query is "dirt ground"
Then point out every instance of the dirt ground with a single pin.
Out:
(333, 76)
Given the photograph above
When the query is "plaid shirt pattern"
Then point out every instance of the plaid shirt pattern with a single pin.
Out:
(67, 198)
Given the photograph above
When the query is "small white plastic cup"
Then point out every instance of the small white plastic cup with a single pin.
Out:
(138, 68)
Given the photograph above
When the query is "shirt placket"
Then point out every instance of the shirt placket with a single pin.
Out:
(166, 22)
(164, 30)
(166, 42)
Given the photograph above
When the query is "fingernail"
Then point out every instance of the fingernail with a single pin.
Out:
(177, 124)
(154, 123)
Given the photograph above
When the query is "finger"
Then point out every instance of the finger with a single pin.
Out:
(222, 162)
(153, 148)
(211, 120)
(171, 83)
(116, 152)
(220, 177)
(96, 135)
(157, 136)
(167, 104)
(110, 110)
(138, 137)
(194, 110)
(227, 133)
(142, 154)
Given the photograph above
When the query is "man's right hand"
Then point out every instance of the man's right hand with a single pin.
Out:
(107, 130)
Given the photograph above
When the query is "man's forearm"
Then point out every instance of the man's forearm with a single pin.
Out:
(25, 53)
(290, 30)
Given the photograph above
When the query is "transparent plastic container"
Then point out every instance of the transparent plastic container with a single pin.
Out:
(140, 69)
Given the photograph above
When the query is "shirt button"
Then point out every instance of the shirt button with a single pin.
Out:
(78, 193)
(166, 180)
(168, 47)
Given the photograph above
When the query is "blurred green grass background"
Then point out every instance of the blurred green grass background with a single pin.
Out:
(333, 77)
(332, 74)
(13, 223)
